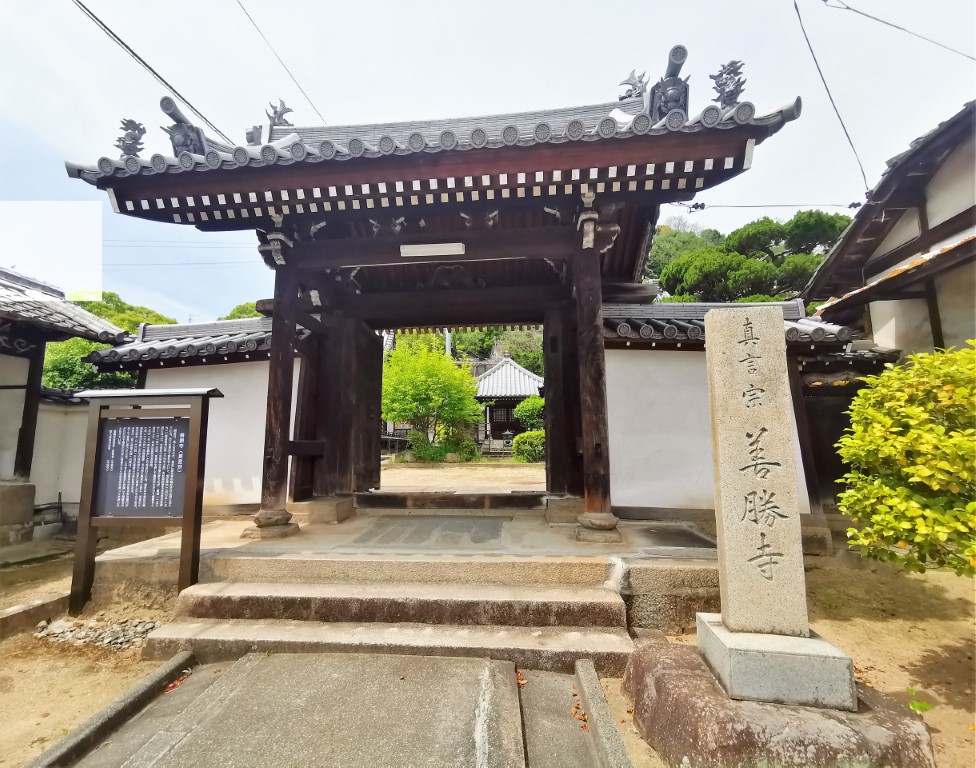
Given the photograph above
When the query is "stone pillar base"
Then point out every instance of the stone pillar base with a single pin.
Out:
(598, 521)
(780, 669)
(16, 512)
(270, 531)
(597, 536)
(322, 510)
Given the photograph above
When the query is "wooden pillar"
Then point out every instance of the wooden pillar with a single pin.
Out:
(273, 514)
(374, 392)
(935, 317)
(560, 442)
(593, 376)
(804, 436)
(300, 484)
(333, 473)
(28, 421)
(573, 419)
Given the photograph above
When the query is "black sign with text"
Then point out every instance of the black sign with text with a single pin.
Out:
(142, 468)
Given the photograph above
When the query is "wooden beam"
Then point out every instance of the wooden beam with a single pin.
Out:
(28, 422)
(929, 237)
(277, 429)
(306, 447)
(516, 304)
(492, 245)
(300, 482)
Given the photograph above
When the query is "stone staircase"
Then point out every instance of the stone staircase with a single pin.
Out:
(543, 613)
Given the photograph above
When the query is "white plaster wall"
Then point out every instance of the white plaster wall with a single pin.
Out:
(902, 324)
(235, 440)
(953, 188)
(13, 370)
(59, 452)
(661, 433)
(956, 294)
(907, 228)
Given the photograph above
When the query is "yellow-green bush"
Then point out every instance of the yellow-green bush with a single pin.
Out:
(911, 449)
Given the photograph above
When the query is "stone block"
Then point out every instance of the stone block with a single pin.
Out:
(16, 512)
(270, 531)
(563, 509)
(322, 510)
(803, 671)
(682, 712)
(671, 613)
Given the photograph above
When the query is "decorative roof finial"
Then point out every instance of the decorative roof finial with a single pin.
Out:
(183, 135)
(670, 92)
(729, 84)
(636, 85)
(130, 142)
(277, 114)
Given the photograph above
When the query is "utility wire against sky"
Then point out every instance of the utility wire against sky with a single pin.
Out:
(830, 96)
(285, 66)
(842, 6)
(159, 78)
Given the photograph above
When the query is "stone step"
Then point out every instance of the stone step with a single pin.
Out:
(416, 603)
(552, 649)
(326, 568)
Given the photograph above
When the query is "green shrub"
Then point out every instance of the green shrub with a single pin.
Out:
(530, 446)
(464, 447)
(911, 449)
(425, 451)
(530, 412)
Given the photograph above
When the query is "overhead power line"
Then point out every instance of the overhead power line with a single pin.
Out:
(830, 96)
(842, 6)
(280, 61)
(159, 78)
(703, 206)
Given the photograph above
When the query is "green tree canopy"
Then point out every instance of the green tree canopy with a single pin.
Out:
(477, 343)
(525, 348)
(530, 412)
(242, 311)
(63, 366)
(669, 244)
(423, 386)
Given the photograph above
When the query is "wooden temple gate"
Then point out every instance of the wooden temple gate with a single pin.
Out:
(534, 218)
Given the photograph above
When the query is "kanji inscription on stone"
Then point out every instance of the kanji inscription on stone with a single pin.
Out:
(141, 470)
(756, 506)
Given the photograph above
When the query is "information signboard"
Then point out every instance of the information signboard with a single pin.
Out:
(142, 468)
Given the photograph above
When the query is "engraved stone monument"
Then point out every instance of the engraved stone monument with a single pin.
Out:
(761, 647)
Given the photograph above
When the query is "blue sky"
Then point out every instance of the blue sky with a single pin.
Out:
(65, 88)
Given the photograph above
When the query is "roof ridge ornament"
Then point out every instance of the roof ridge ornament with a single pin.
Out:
(183, 135)
(130, 142)
(729, 84)
(277, 114)
(670, 93)
(636, 85)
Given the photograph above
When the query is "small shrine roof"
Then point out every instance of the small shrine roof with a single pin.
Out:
(508, 379)
(34, 303)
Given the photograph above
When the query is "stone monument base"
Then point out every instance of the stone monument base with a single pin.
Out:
(681, 710)
(16, 512)
(322, 510)
(270, 531)
(804, 671)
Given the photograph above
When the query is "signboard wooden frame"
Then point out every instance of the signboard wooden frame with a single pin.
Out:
(147, 405)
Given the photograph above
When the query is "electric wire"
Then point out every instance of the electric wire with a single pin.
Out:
(280, 61)
(830, 96)
(145, 65)
(842, 6)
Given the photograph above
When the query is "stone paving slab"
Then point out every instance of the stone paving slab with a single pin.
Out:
(343, 710)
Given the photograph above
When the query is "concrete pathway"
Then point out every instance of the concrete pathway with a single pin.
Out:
(370, 710)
